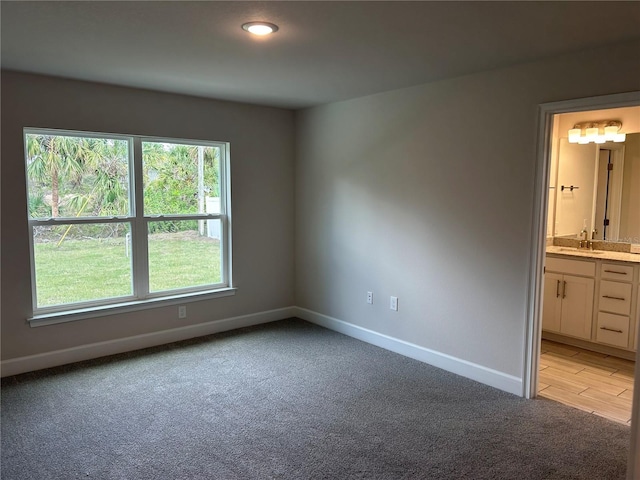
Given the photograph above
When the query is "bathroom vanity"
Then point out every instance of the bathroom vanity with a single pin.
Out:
(592, 294)
(591, 299)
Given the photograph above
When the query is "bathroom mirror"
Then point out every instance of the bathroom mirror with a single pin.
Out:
(597, 189)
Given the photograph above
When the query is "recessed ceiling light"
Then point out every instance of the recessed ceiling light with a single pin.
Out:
(260, 28)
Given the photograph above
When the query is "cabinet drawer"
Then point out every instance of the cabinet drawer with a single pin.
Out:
(613, 329)
(620, 273)
(615, 297)
(572, 267)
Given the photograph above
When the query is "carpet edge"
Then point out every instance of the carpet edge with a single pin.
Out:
(29, 363)
(464, 368)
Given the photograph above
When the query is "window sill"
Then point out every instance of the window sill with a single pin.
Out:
(125, 307)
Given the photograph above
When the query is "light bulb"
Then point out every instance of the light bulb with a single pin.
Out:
(591, 133)
(610, 132)
(574, 135)
(260, 28)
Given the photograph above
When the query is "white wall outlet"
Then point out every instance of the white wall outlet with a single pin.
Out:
(393, 303)
(182, 311)
(370, 298)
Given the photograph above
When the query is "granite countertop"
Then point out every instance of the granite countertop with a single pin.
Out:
(595, 254)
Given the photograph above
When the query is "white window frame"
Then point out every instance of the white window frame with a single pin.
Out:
(141, 298)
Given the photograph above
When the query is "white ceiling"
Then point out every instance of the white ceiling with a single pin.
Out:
(324, 51)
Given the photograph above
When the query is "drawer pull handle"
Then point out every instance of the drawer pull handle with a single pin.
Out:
(615, 330)
(557, 288)
(564, 289)
(613, 298)
(613, 271)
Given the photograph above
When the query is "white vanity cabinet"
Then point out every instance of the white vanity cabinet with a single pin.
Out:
(568, 297)
(592, 303)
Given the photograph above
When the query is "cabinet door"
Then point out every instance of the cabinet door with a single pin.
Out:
(577, 306)
(552, 302)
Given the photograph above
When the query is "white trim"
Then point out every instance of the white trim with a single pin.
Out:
(139, 228)
(633, 468)
(225, 221)
(617, 154)
(533, 330)
(467, 369)
(95, 311)
(40, 361)
(602, 102)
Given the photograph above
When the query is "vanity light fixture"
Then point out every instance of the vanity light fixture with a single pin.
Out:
(597, 132)
(260, 28)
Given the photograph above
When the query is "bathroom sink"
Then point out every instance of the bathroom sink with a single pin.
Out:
(580, 250)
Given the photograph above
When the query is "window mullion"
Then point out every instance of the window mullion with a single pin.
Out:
(139, 228)
(34, 284)
(77, 221)
(225, 194)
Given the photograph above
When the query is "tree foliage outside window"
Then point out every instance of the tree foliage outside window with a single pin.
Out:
(74, 177)
(171, 180)
(88, 177)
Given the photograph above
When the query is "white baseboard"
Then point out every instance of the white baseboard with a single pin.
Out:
(488, 376)
(30, 363)
(455, 365)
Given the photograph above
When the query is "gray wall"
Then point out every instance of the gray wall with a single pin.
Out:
(427, 193)
(262, 199)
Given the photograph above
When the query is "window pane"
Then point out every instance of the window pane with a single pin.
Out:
(184, 254)
(180, 179)
(79, 263)
(77, 176)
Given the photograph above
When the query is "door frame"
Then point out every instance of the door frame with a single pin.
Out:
(617, 158)
(533, 328)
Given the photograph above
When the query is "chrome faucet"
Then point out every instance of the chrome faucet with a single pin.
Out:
(585, 243)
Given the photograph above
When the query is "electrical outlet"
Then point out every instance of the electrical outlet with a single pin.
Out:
(370, 298)
(182, 311)
(393, 303)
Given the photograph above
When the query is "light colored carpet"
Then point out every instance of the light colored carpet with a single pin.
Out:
(289, 400)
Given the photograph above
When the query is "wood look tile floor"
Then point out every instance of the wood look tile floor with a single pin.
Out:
(594, 382)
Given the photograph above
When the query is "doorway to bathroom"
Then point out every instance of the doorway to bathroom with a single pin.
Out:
(582, 338)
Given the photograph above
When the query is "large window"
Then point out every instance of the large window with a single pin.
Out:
(121, 219)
